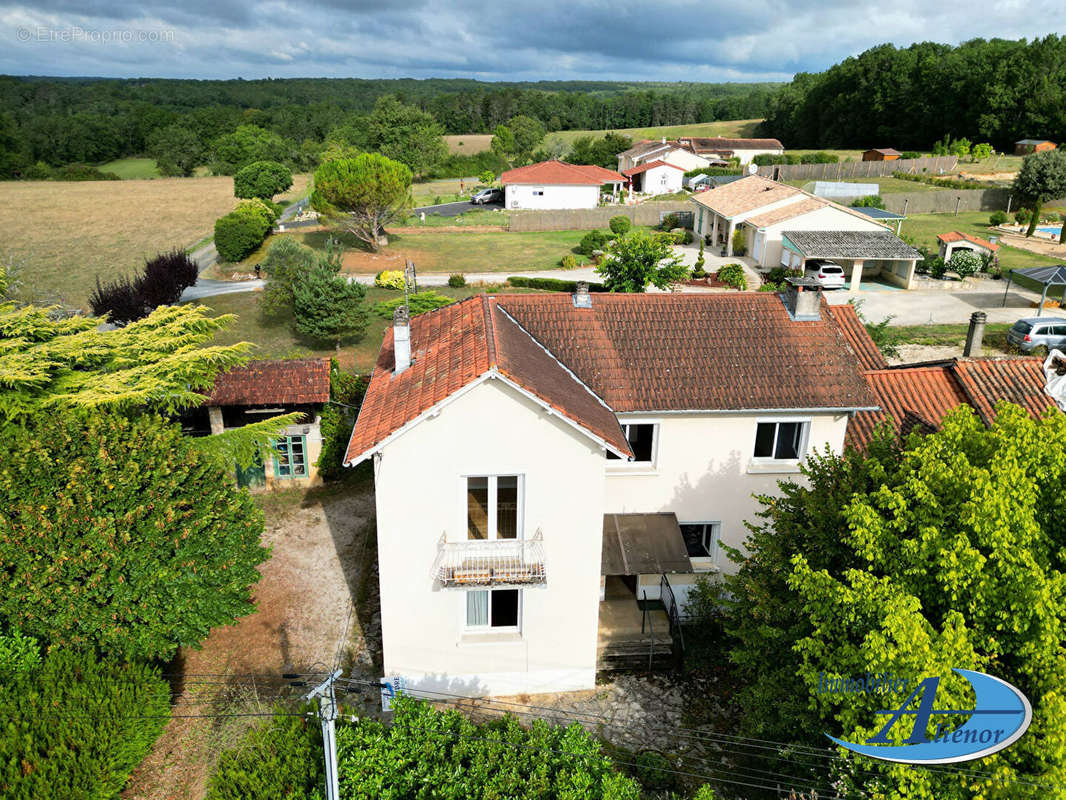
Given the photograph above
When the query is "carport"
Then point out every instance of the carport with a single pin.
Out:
(878, 252)
(1046, 276)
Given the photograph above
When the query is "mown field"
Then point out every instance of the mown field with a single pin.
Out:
(62, 235)
(132, 168)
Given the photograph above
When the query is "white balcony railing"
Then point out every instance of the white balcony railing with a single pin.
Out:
(490, 562)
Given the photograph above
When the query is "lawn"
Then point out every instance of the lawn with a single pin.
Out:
(454, 251)
(843, 155)
(132, 168)
(276, 339)
(62, 235)
(493, 218)
(446, 190)
(947, 335)
(923, 230)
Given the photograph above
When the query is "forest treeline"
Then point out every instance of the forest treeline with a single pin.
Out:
(61, 121)
(995, 90)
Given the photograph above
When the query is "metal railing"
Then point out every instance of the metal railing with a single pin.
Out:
(669, 601)
(646, 617)
(490, 562)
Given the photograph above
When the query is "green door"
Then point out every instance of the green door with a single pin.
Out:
(252, 476)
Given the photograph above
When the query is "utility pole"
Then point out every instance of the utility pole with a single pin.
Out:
(327, 714)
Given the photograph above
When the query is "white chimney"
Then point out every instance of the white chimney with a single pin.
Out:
(401, 338)
(582, 299)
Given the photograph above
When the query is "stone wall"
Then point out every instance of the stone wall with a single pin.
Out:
(932, 165)
(648, 213)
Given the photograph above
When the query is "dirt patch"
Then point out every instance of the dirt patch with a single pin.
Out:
(316, 608)
(364, 263)
(1037, 243)
(916, 353)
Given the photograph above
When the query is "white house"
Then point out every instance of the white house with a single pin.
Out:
(655, 177)
(768, 213)
(541, 461)
(722, 148)
(662, 150)
(556, 184)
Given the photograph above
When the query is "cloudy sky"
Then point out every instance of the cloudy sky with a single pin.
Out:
(709, 40)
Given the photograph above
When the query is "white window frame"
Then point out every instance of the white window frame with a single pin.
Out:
(493, 527)
(805, 435)
(487, 628)
(716, 540)
(642, 466)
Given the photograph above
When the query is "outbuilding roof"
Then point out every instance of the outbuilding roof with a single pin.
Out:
(885, 151)
(295, 381)
(643, 544)
(559, 173)
(1034, 141)
(959, 236)
(850, 244)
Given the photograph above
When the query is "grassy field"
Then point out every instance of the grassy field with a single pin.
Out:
(468, 144)
(843, 155)
(276, 339)
(947, 335)
(453, 251)
(924, 229)
(132, 168)
(62, 235)
(737, 128)
(446, 190)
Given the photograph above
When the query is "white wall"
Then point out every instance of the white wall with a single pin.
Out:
(420, 488)
(686, 160)
(522, 196)
(703, 469)
(822, 219)
(746, 156)
(662, 180)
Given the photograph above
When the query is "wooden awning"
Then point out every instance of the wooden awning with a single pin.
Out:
(643, 544)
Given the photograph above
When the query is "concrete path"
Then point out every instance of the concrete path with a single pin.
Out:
(939, 307)
(454, 209)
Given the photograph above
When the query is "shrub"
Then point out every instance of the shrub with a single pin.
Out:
(909, 154)
(149, 518)
(417, 303)
(654, 771)
(740, 242)
(327, 307)
(240, 232)
(338, 418)
(262, 179)
(487, 177)
(118, 300)
(733, 275)
(457, 281)
(18, 654)
(819, 158)
(964, 263)
(75, 726)
(620, 225)
(869, 201)
(81, 172)
(592, 241)
(998, 218)
(1023, 215)
(390, 279)
(264, 209)
(568, 261)
(551, 284)
(937, 267)
(165, 277)
(668, 222)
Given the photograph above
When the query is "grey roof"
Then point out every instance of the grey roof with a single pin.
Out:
(851, 244)
(643, 544)
(1032, 141)
(1050, 276)
(878, 213)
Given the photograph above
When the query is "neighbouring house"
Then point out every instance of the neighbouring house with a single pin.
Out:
(954, 241)
(655, 177)
(263, 389)
(743, 149)
(670, 152)
(1024, 147)
(544, 464)
(786, 226)
(556, 184)
(881, 154)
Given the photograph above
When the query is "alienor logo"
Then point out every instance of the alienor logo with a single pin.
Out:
(1001, 714)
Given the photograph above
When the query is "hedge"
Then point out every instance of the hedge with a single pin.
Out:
(75, 727)
(239, 233)
(551, 284)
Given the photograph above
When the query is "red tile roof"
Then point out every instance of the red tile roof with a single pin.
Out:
(700, 144)
(559, 173)
(927, 392)
(629, 173)
(303, 381)
(456, 345)
(959, 236)
(660, 352)
(857, 337)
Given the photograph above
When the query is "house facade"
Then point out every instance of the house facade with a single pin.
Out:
(543, 462)
(261, 390)
(558, 185)
(1024, 147)
(881, 154)
(767, 213)
(655, 177)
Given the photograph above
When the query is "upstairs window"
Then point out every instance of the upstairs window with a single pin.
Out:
(492, 503)
(780, 441)
(641, 437)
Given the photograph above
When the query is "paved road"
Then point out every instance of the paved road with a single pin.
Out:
(205, 287)
(454, 209)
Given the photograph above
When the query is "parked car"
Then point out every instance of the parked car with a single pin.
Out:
(828, 274)
(487, 196)
(1038, 334)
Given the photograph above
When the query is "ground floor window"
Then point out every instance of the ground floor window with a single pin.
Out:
(290, 458)
(702, 538)
(493, 609)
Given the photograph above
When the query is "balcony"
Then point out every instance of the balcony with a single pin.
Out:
(490, 562)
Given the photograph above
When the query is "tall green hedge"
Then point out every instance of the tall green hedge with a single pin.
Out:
(278, 760)
(239, 233)
(551, 284)
(75, 727)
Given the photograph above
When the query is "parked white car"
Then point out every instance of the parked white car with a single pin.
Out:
(828, 274)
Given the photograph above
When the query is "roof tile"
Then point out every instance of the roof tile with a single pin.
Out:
(559, 173)
(303, 381)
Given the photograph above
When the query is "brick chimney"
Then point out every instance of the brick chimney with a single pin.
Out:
(803, 299)
(975, 334)
(401, 338)
(582, 299)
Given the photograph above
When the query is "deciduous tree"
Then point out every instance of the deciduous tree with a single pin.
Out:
(406, 134)
(177, 150)
(637, 259)
(262, 179)
(1042, 177)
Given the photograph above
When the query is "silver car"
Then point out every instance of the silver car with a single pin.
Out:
(1038, 334)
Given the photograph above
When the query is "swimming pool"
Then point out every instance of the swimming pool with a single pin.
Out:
(1054, 230)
